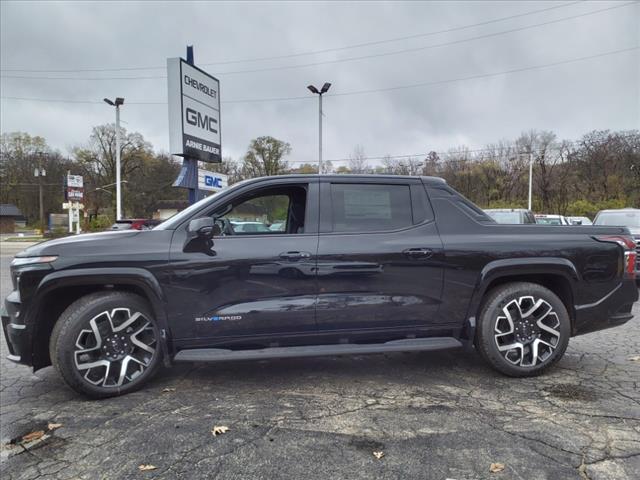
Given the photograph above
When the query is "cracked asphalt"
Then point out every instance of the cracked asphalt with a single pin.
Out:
(436, 415)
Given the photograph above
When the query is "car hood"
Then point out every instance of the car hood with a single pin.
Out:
(60, 246)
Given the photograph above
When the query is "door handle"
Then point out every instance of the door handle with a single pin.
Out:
(418, 252)
(294, 255)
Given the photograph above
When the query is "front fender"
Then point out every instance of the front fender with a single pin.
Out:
(138, 278)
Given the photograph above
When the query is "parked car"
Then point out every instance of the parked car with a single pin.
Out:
(580, 221)
(408, 264)
(277, 227)
(545, 219)
(135, 224)
(511, 216)
(625, 217)
(249, 227)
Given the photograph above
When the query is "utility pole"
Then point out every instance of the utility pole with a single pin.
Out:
(118, 101)
(325, 89)
(39, 173)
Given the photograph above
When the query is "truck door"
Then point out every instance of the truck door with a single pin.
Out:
(258, 279)
(380, 258)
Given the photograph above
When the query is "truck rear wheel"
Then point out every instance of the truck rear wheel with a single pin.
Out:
(523, 329)
(106, 344)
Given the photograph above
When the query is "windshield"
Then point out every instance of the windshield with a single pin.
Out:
(505, 217)
(548, 220)
(619, 219)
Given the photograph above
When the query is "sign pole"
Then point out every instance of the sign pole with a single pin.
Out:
(192, 163)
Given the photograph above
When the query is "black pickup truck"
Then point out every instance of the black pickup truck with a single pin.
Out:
(331, 265)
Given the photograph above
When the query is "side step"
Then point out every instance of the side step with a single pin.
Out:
(407, 345)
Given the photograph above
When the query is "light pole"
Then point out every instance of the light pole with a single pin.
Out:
(118, 101)
(40, 172)
(323, 90)
(530, 178)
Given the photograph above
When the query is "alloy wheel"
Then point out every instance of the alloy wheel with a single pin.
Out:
(527, 331)
(116, 349)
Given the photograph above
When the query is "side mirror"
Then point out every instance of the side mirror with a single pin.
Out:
(202, 228)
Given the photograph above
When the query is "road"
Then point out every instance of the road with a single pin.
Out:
(436, 415)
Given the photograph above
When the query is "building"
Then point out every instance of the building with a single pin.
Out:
(9, 214)
(168, 208)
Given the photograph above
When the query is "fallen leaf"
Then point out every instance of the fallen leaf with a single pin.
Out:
(53, 426)
(30, 437)
(146, 468)
(219, 430)
(496, 467)
(378, 455)
(168, 389)
(635, 358)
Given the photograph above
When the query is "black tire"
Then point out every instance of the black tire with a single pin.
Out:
(106, 309)
(527, 337)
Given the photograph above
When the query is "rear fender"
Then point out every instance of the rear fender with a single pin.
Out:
(523, 268)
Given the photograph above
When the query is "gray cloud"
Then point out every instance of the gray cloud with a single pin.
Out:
(570, 99)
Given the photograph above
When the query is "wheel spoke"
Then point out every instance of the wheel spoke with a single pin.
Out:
(130, 321)
(138, 343)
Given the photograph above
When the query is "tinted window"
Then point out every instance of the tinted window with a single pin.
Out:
(370, 208)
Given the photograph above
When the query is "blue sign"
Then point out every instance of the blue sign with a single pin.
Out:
(211, 181)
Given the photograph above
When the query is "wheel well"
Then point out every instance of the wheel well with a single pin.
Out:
(556, 283)
(52, 306)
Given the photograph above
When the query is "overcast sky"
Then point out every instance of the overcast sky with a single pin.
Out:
(570, 98)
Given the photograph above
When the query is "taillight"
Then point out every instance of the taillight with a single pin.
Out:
(628, 244)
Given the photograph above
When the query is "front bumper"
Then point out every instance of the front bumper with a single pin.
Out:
(612, 310)
(16, 333)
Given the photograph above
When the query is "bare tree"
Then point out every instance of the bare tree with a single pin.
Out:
(358, 161)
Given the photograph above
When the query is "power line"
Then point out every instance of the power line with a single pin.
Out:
(311, 52)
(426, 47)
(562, 144)
(359, 92)
(341, 60)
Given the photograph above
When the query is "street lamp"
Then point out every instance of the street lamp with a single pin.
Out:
(39, 172)
(118, 101)
(323, 90)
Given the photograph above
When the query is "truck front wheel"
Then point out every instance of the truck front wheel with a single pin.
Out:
(106, 344)
(523, 329)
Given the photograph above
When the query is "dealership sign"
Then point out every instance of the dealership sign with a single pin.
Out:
(75, 188)
(211, 181)
(194, 112)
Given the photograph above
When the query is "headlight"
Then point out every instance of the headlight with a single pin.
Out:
(20, 261)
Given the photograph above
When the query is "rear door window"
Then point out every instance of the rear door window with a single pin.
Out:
(370, 208)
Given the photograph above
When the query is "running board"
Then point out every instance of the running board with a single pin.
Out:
(408, 345)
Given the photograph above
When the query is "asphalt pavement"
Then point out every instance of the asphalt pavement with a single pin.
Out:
(433, 415)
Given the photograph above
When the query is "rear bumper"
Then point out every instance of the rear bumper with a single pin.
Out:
(16, 333)
(612, 310)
